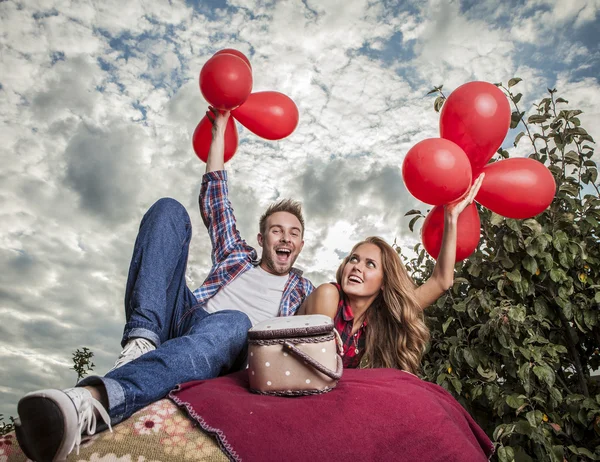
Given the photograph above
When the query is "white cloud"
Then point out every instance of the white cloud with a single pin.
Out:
(93, 138)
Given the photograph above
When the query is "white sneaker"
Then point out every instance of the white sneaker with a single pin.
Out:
(134, 348)
(51, 422)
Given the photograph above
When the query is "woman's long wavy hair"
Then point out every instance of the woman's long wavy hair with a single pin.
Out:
(396, 336)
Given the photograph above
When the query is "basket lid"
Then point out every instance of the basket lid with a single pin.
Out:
(292, 326)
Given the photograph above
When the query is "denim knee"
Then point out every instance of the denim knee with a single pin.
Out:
(238, 324)
(168, 207)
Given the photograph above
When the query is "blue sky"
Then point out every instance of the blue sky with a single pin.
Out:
(98, 102)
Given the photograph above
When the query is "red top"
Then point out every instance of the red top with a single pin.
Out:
(354, 345)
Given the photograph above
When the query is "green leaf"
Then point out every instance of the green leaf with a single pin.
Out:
(524, 375)
(461, 307)
(534, 418)
(530, 264)
(590, 318)
(540, 307)
(574, 113)
(413, 221)
(561, 100)
(509, 242)
(435, 90)
(518, 138)
(514, 275)
(573, 157)
(523, 427)
(557, 275)
(515, 118)
(555, 393)
(446, 324)
(559, 453)
(569, 189)
(456, 384)
(413, 212)
(512, 82)
(438, 103)
(506, 454)
(566, 307)
(545, 374)
(515, 400)
(560, 240)
(470, 357)
(517, 313)
(537, 119)
(587, 452)
(555, 169)
(489, 375)
(534, 226)
(517, 98)
(496, 219)
(582, 451)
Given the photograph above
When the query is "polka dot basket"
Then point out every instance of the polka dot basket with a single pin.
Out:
(295, 355)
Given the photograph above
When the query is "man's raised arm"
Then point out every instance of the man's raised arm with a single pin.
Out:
(215, 207)
(216, 152)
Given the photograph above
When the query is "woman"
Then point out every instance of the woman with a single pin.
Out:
(375, 305)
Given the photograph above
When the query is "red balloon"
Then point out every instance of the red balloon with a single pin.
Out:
(476, 116)
(468, 230)
(225, 81)
(268, 114)
(203, 136)
(517, 188)
(237, 53)
(436, 171)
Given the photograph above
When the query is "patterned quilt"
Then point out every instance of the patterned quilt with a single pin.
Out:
(160, 432)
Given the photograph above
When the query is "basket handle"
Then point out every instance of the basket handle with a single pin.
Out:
(317, 365)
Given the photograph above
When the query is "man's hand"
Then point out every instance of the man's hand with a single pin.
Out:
(218, 120)
(216, 151)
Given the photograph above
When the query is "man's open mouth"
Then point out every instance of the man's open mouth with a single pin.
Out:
(283, 255)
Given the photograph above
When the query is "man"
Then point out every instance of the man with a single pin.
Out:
(173, 335)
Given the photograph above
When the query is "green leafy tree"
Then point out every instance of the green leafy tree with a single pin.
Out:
(82, 362)
(516, 338)
(6, 427)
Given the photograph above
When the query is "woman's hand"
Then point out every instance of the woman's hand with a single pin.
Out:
(442, 277)
(454, 209)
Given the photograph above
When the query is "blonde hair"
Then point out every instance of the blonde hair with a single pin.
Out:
(396, 335)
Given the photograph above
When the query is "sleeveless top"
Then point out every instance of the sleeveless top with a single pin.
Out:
(354, 345)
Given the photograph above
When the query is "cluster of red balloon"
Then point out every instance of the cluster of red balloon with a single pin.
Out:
(473, 124)
(226, 83)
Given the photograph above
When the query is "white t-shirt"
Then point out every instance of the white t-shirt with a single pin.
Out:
(255, 292)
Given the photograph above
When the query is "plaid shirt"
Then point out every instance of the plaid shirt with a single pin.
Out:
(354, 345)
(231, 255)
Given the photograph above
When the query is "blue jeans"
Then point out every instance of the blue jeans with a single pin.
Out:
(193, 347)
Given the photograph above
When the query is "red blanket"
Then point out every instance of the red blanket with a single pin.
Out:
(373, 414)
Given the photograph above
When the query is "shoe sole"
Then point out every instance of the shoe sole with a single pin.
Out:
(47, 418)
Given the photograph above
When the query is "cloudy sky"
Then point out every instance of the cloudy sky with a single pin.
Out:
(99, 99)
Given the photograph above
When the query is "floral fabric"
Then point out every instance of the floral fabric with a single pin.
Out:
(160, 432)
